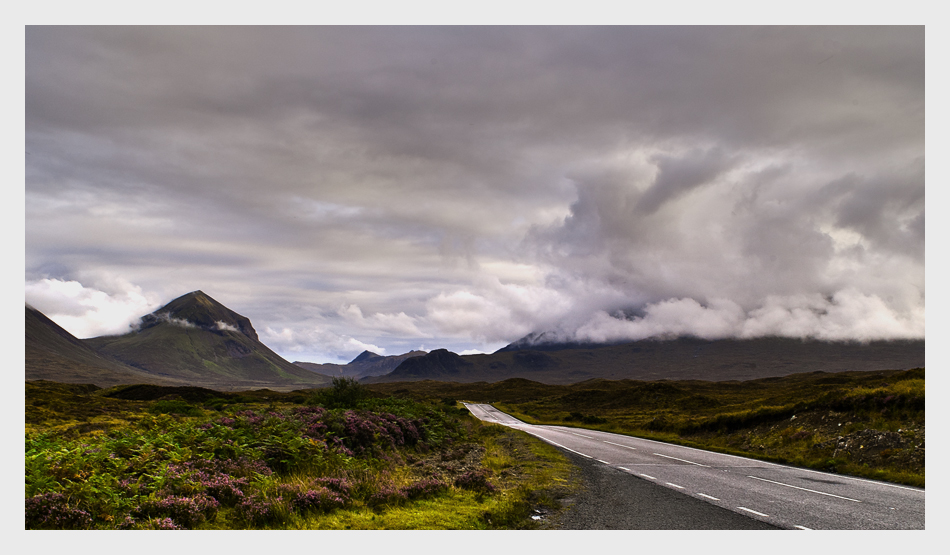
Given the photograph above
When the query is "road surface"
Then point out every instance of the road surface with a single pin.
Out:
(783, 496)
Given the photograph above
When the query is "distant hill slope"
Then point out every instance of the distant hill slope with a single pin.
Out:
(197, 340)
(364, 365)
(54, 354)
(677, 359)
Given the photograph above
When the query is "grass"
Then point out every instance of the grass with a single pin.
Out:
(868, 424)
(340, 458)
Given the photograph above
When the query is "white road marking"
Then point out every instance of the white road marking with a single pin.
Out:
(804, 489)
(622, 468)
(648, 476)
(802, 527)
(582, 435)
(674, 485)
(618, 445)
(598, 460)
(561, 446)
(708, 496)
(758, 462)
(676, 459)
(754, 512)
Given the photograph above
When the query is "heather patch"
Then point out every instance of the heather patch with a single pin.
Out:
(250, 466)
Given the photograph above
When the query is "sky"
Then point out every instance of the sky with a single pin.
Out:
(399, 188)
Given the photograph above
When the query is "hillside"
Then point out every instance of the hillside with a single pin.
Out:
(54, 354)
(365, 365)
(675, 359)
(197, 340)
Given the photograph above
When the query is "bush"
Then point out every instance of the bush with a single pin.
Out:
(185, 511)
(344, 393)
(476, 480)
(50, 511)
(424, 488)
(320, 499)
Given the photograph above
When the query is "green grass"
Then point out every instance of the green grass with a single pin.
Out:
(868, 424)
(200, 459)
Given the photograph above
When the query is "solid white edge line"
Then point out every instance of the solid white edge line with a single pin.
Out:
(708, 496)
(804, 489)
(918, 490)
(753, 512)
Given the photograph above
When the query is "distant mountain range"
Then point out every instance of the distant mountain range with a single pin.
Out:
(367, 364)
(192, 340)
(195, 340)
(653, 359)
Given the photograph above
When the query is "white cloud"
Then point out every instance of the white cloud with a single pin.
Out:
(399, 324)
(314, 342)
(87, 311)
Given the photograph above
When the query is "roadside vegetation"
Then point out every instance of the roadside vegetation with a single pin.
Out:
(344, 457)
(868, 424)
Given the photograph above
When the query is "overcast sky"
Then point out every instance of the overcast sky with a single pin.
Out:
(396, 188)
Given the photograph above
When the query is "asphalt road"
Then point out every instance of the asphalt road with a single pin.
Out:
(779, 495)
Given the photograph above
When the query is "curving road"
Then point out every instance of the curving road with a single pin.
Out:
(783, 496)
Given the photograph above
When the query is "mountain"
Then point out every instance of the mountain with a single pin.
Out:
(440, 364)
(197, 340)
(54, 354)
(366, 364)
(684, 358)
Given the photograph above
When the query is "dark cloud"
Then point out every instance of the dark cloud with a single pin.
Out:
(463, 186)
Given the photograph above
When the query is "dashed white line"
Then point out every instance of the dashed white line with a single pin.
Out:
(622, 468)
(674, 485)
(804, 489)
(708, 496)
(802, 527)
(619, 445)
(598, 460)
(648, 476)
(753, 512)
(582, 435)
(676, 459)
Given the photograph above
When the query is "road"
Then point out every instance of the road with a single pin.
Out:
(783, 496)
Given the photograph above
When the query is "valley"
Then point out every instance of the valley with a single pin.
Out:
(189, 421)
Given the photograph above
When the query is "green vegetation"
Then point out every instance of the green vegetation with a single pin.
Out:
(149, 457)
(868, 424)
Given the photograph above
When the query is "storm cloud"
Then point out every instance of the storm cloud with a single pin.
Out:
(396, 188)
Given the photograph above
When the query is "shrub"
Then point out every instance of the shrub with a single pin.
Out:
(50, 511)
(320, 499)
(476, 480)
(386, 495)
(258, 511)
(424, 488)
(186, 511)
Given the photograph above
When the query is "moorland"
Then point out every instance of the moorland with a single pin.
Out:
(189, 421)
(869, 424)
(343, 457)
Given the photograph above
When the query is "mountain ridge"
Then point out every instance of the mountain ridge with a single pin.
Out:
(657, 359)
(366, 364)
(196, 339)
